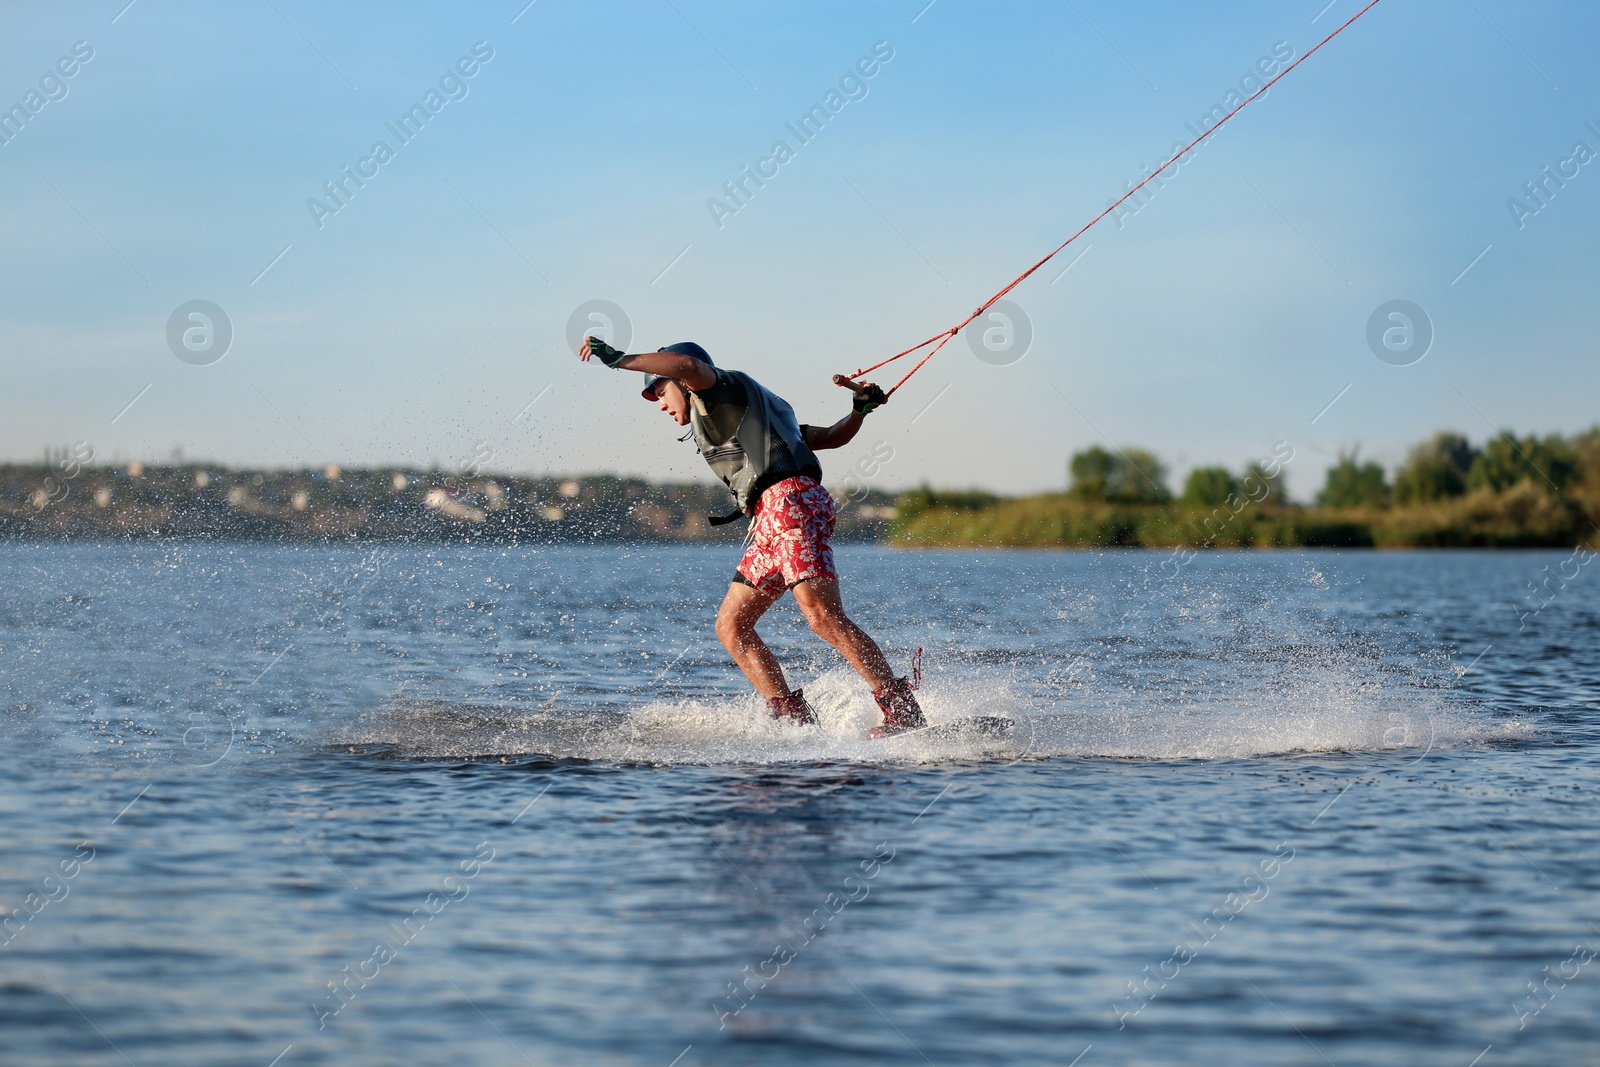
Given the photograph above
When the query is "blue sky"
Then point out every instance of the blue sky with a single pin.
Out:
(419, 321)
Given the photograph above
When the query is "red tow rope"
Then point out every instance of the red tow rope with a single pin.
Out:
(943, 337)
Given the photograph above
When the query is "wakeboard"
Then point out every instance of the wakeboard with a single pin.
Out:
(968, 728)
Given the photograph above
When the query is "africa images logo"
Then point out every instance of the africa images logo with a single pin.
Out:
(452, 85)
(199, 332)
(52, 86)
(1399, 332)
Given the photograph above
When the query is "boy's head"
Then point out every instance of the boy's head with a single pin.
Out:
(668, 394)
(682, 348)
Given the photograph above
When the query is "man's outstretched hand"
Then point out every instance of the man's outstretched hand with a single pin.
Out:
(868, 397)
(593, 346)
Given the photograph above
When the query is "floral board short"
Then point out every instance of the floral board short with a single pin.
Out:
(788, 540)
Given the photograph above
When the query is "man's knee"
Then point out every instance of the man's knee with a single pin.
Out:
(828, 625)
(729, 629)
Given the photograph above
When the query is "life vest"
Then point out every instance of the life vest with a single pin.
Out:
(767, 447)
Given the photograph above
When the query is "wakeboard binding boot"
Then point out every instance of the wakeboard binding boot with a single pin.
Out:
(901, 712)
(792, 706)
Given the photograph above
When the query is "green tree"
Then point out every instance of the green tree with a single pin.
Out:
(1435, 469)
(924, 497)
(1092, 471)
(1255, 477)
(1128, 476)
(1144, 480)
(1351, 484)
(1507, 460)
(1209, 486)
(1587, 447)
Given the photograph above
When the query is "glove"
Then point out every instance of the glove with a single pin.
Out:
(870, 399)
(605, 353)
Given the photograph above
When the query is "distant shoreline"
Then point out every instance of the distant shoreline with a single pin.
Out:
(65, 500)
(62, 501)
(1522, 517)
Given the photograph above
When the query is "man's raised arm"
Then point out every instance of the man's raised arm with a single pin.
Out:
(691, 372)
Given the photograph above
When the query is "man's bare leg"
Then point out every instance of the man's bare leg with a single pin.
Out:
(741, 609)
(819, 602)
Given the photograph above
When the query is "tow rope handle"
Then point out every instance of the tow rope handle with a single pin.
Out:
(944, 337)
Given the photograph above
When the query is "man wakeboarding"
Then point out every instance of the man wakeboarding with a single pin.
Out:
(752, 441)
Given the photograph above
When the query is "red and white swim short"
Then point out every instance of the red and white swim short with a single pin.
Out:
(788, 541)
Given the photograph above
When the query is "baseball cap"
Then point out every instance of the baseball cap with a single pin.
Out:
(682, 348)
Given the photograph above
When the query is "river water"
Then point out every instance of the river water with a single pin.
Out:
(388, 804)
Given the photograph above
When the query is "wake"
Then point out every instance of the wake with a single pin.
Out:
(1314, 715)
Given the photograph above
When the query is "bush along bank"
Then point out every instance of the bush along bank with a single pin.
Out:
(1528, 492)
